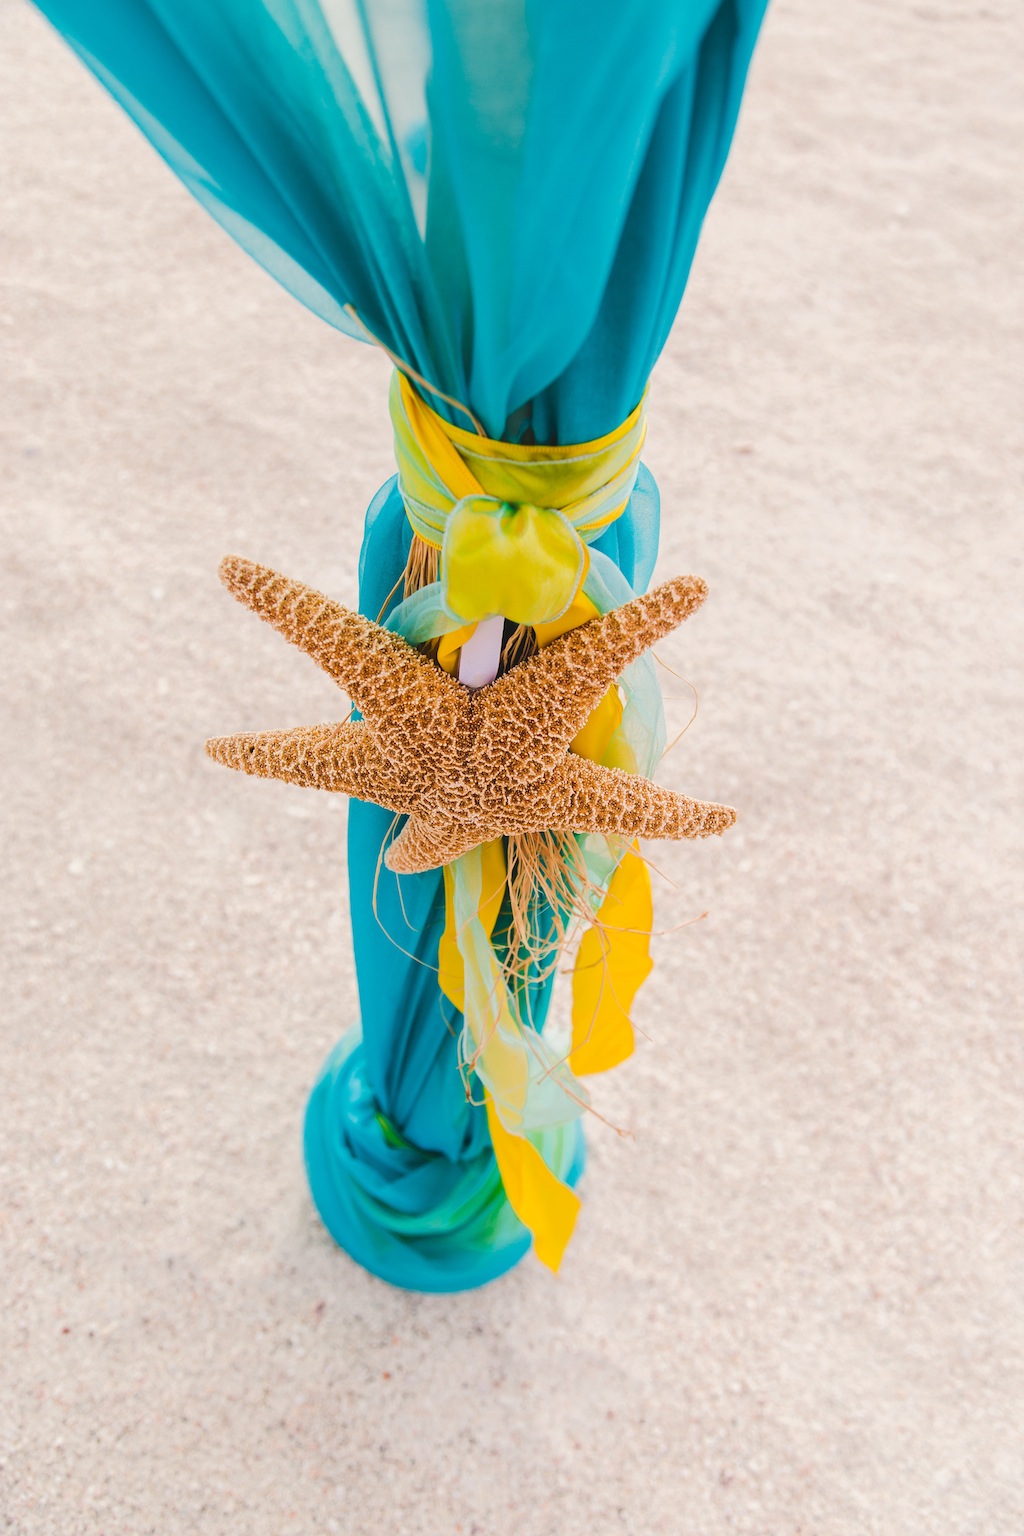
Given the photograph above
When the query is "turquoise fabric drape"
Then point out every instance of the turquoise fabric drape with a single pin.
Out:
(509, 192)
(508, 195)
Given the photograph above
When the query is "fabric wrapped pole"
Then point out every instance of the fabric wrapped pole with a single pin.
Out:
(508, 197)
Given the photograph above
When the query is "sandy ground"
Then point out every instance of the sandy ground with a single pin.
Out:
(794, 1301)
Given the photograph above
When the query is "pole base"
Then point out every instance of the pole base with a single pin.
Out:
(414, 1218)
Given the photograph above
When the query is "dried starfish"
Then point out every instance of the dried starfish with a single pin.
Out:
(466, 765)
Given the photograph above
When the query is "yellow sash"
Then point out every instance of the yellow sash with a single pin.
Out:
(512, 522)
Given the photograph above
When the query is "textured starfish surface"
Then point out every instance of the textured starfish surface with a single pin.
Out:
(466, 765)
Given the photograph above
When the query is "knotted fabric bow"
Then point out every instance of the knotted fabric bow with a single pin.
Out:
(512, 522)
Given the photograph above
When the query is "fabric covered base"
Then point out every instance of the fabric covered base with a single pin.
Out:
(416, 1219)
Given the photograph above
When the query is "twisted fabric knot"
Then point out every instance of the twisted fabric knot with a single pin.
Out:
(514, 558)
(512, 521)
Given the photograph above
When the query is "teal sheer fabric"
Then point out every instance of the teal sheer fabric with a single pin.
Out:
(508, 192)
(507, 195)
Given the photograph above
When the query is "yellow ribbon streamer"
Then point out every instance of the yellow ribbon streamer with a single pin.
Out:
(612, 963)
(545, 1206)
(613, 959)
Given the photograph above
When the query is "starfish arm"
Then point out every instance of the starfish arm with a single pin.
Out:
(596, 799)
(336, 757)
(426, 844)
(556, 691)
(378, 669)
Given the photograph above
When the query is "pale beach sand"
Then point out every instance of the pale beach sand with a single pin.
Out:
(794, 1303)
